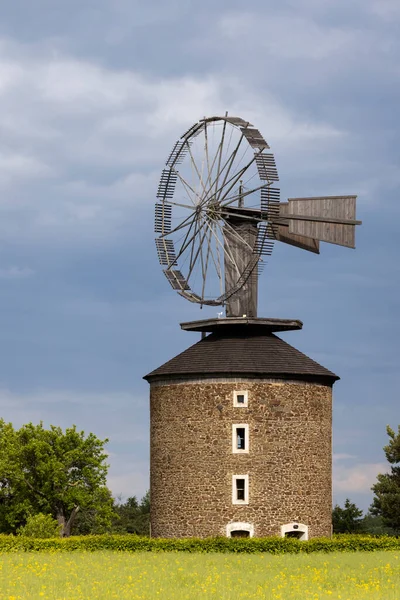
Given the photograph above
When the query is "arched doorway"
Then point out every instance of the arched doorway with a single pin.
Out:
(239, 530)
(295, 530)
(240, 533)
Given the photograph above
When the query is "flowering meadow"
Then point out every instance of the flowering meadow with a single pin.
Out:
(107, 575)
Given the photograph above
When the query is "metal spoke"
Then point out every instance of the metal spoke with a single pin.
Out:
(196, 229)
(236, 178)
(242, 195)
(185, 185)
(221, 145)
(231, 161)
(196, 169)
(203, 161)
(210, 193)
(217, 264)
(206, 267)
(179, 204)
(237, 234)
(211, 171)
(206, 150)
(229, 142)
(257, 217)
(202, 258)
(221, 284)
(255, 174)
(193, 262)
(185, 243)
(227, 244)
(225, 249)
(181, 225)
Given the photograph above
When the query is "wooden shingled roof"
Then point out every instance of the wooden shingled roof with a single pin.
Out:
(243, 353)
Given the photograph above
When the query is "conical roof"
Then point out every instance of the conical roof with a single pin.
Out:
(243, 352)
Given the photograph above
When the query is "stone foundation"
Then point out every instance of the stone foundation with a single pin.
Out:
(289, 464)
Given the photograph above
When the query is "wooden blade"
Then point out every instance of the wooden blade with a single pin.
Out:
(254, 138)
(234, 120)
(237, 121)
(176, 279)
(178, 153)
(331, 219)
(166, 252)
(163, 215)
(266, 166)
(166, 187)
(192, 297)
(300, 241)
(281, 233)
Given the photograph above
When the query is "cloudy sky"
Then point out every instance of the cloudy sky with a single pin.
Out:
(93, 93)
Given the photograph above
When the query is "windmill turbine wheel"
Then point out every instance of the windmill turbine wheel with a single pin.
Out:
(208, 250)
(218, 212)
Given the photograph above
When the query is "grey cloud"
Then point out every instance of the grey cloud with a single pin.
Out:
(95, 137)
(357, 478)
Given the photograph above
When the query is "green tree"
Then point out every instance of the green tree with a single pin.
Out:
(51, 472)
(91, 520)
(386, 502)
(375, 526)
(133, 516)
(347, 519)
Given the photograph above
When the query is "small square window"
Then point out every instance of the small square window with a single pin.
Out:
(240, 438)
(240, 398)
(240, 489)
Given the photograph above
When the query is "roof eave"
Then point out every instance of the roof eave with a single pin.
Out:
(324, 379)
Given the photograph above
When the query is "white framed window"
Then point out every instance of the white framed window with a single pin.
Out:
(240, 438)
(240, 489)
(240, 398)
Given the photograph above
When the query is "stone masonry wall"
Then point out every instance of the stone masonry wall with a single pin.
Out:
(289, 462)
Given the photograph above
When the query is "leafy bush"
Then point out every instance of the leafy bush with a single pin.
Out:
(134, 543)
(40, 526)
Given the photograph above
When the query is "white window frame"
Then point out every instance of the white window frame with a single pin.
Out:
(239, 527)
(237, 393)
(235, 449)
(246, 489)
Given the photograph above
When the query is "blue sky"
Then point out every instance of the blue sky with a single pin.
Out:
(92, 96)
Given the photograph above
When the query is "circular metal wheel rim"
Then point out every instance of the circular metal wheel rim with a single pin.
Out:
(269, 203)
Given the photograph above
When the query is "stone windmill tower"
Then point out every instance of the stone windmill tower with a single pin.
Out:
(241, 422)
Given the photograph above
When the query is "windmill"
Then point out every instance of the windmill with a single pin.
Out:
(240, 422)
(218, 214)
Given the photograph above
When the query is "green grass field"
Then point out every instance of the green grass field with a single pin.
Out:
(78, 575)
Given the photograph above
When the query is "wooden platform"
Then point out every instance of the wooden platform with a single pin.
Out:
(263, 325)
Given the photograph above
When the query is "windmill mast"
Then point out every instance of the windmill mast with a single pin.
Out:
(240, 236)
